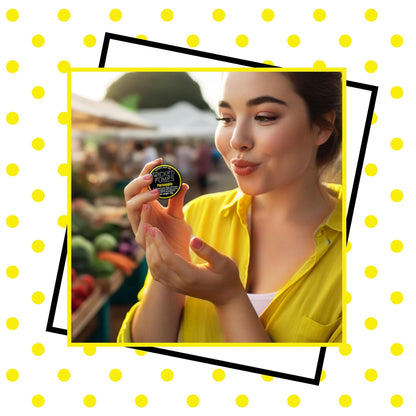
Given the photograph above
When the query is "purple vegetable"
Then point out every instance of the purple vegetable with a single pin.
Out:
(126, 248)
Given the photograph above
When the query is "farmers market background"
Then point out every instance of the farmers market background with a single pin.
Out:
(123, 121)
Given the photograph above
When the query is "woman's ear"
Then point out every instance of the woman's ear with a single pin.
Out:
(325, 127)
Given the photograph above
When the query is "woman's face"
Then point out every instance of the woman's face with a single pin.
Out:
(264, 133)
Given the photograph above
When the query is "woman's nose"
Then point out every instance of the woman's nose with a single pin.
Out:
(241, 138)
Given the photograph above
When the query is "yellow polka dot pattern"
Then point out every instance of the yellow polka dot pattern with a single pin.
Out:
(50, 53)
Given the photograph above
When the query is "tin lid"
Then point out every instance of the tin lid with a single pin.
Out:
(167, 179)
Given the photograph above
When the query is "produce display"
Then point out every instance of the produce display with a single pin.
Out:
(97, 252)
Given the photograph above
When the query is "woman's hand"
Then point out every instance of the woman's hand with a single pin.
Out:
(217, 280)
(143, 207)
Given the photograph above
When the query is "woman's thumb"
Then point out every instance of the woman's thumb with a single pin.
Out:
(215, 259)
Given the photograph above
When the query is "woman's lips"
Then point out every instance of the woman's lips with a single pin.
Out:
(243, 167)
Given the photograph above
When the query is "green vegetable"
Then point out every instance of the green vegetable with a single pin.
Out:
(105, 242)
(82, 253)
(102, 268)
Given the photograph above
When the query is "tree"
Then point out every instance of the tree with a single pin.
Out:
(137, 90)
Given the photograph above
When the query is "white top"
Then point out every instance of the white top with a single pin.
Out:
(260, 301)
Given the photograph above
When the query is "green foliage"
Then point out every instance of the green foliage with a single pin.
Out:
(156, 89)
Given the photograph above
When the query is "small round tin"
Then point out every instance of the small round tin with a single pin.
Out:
(167, 180)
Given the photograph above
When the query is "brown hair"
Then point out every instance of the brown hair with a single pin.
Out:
(322, 93)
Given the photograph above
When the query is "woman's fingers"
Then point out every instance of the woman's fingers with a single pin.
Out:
(140, 183)
(175, 206)
(216, 260)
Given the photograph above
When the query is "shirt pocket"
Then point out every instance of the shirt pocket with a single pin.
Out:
(314, 331)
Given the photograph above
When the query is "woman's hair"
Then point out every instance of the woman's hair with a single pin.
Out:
(322, 93)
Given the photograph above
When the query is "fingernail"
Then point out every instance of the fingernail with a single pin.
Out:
(147, 177)
(145, 227)
(154, 191)
(196, 243)
(145, 207)
(152, 232)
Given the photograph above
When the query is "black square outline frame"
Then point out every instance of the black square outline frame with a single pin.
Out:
(360, 161)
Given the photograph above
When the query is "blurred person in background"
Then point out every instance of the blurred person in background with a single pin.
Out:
(204, 164)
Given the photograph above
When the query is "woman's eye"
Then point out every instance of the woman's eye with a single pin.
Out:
(224, 120)
(263, 119)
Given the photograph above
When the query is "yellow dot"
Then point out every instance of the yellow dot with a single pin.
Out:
(141, 400)
(370, 221)
(348, 297)
(396, 92)
(242, 41)
(396, 143)
(12, 118)
(371, 272)
(349, 246)
(323, 375)
(267, 15)
(293, 41)
(396, 298)
(90, 350)
(38, 41)
(396, 400)
(242, 400)
(218, 374)
(38, 246)
(115, 15)
(293, 400)
(64, 15)
(371, 66)
(371, 375)
(345, 400)
(396, 195)
(374, 118)
(319, 65)
(64, 374)
(38, 349)
(371, 323)
(166, 15)
(63, 118)
(38, 400)
(12, 67)
(12, 272)
(218, 15)
(370, 169)
(319, 15)
(345, 349)
(167, 374)
(64, 66)
(89, 41)
(192, 400)
(267, 378)
(345, 41)
(63, 169)
(396, 246)
(141, 353)
(63, 221)
(12, 15)
(12, 374)
(144, 37)
(38, 298)
(12, 324)
(12, 169)
(371, 15)
(38, 195)
(192, 41)
(268, 62)
(396, 349)
(38, 143)
(396, 41)
(90, 400)
(115, 375)
(12, 221)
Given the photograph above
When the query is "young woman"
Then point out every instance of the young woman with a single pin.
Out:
(263, 262)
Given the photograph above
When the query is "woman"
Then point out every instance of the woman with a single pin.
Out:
(261, 263)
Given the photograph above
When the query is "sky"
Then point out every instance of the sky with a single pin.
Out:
(93, 85)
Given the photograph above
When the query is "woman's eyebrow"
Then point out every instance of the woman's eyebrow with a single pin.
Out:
(256, 101)
(265, 99)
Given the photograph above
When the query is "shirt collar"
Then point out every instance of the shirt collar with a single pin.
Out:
(242, 202)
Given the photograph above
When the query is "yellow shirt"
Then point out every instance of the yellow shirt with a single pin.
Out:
(307, 309)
